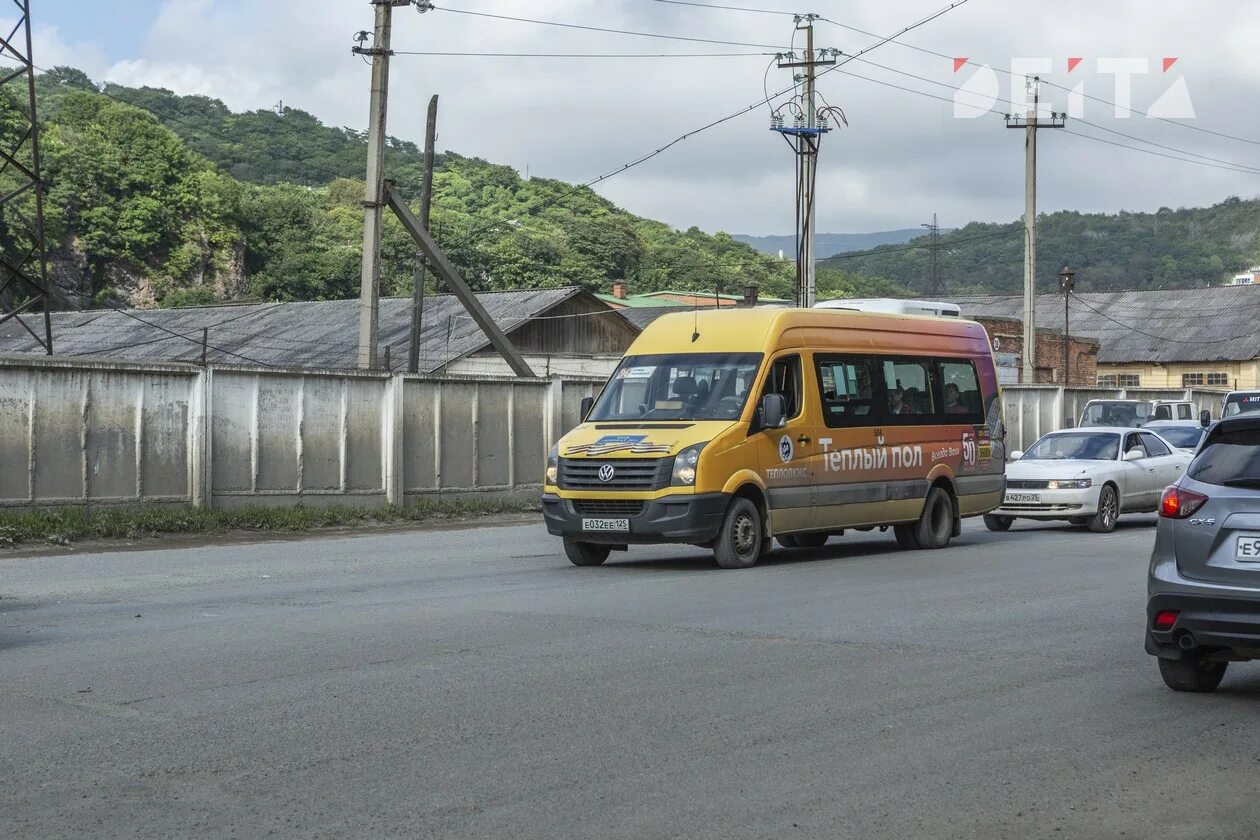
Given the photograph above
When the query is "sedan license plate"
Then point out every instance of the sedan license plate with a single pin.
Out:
(1247, 550)
(605, 524)
(1025, 498)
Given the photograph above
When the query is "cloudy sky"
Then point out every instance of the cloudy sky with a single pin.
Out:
(902, 157)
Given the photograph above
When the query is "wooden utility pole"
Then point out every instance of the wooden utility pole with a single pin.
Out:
(370, 279)
(1031, 122)
(1067, 284)
(426, 201)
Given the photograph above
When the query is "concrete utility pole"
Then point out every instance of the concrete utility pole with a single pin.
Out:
(370, 280)
(808, 131)
(1067, 284)
(1031, 122)
(426, 201)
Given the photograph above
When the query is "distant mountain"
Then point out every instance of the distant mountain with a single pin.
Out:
(830, 244)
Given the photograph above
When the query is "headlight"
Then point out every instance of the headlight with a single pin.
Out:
(1070, 484)
(685, 466)
(553, 465)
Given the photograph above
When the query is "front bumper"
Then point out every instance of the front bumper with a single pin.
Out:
(680, 518)
(1230, 624)
(1050, 504)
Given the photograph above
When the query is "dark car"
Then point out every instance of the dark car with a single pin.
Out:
(1203, 608)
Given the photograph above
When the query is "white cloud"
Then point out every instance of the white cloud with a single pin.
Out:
(903, 157)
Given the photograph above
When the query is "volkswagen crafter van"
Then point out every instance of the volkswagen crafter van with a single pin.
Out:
(727, 429)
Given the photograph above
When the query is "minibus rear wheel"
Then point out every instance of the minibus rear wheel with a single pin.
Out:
(586, 554)
(936, 524)
(740, 542)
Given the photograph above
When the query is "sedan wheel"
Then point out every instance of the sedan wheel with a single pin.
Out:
(1104, 521)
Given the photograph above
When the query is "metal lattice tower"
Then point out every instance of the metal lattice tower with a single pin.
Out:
(23, 257)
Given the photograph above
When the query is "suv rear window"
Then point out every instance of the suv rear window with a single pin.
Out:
(1228, 457)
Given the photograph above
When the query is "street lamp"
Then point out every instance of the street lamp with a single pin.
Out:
(1067, 283)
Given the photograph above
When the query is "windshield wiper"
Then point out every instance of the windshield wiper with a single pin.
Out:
(1241, 482)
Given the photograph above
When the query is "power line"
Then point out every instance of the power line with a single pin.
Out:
(1160, 337)
(582, 55)
(196, 341)
(764, 101)
(1099, 99)
(727, 8)
(944, 244)
(1161, 154)
(586, 28)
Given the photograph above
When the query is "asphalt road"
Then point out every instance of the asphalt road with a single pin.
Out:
(473, 683)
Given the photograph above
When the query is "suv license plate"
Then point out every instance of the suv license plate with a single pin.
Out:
(611, 525)
(1247, 550)
(1033, 498)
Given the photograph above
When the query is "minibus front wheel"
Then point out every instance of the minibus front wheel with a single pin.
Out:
(740, 542)
(584, 553)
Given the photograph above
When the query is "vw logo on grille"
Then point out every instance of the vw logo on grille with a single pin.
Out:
(607, 472)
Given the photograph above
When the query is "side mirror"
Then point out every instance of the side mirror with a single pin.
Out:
(1205, 418)
(585, 408)
(1017, 454)
(773, 412)
(1134, 455)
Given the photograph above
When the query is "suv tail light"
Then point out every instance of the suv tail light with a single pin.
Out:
(1178, 503)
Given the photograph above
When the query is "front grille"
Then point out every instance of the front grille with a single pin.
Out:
(628, 473)
(607, 507)
(1026, 485)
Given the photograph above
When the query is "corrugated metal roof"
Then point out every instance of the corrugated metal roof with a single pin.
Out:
(314, 334)
(1217, 324)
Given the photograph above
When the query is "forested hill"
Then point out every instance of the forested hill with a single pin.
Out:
(1182, 248)
(157, 199)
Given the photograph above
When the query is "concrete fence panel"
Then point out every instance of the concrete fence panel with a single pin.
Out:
(92, 433)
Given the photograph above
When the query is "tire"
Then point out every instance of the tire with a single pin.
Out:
(1104, 521)
(811, 540)
(905, 537)
(936, 524)
(998, 523)
(740, 542)
(586, 554)
(788, 541)
(1192, 673)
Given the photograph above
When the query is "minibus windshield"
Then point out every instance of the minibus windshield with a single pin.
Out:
(678, 386)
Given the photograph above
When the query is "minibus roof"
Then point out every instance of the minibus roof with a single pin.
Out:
(758, 329)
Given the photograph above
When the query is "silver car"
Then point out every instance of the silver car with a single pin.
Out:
(1203, 607)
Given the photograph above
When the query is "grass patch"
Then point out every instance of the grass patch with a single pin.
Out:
(61, 526)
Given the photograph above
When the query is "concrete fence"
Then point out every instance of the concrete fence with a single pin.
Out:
(1033, 410)
(74, 432)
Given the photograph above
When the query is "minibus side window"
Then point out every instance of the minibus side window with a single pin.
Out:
(785, 380)
(909, 384)
(961, 400)
(846, 387)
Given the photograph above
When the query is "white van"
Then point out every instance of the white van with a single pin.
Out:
(894, 306)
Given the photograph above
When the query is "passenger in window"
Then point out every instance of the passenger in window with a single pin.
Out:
(897, 403)
(953, 400)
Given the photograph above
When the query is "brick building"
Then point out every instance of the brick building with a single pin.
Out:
(1008, 346)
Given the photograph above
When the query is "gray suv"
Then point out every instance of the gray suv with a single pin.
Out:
(1203, 610)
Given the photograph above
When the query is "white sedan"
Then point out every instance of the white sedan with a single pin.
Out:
(1088, 477)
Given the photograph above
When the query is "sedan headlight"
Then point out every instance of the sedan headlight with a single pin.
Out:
(684, 474)
(1070, 484)
(553, 465)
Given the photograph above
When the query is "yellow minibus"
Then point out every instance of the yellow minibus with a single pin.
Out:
(729, 429)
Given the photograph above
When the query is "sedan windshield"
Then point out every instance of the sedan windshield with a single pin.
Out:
(678, 386)
(1075, 446)
(1182, 437)
(1129, 415)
